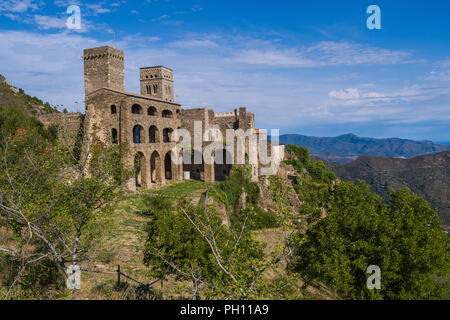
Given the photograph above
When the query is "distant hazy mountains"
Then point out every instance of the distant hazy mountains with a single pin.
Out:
(348, 147)
(427, 175)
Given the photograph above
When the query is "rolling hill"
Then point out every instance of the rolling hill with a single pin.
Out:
(349, 147)
(427, 175)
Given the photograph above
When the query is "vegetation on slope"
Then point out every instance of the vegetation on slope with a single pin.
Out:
(404, 237)
(21, 101)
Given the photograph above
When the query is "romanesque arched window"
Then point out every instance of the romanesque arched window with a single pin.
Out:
(167, 134)
(167, 114)
(152, 134)
(136, 109)
(113, 109)
(114, 138)
(138, 134)
(151, 111)
(155, 88)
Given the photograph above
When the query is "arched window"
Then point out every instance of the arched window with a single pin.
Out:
(114, 135)
(151, 111)
(149, 90)
(167, 134)
(138, 134)
(136, 109)
(155, 88)
(113, 109)
(152, 134)
(167, 114)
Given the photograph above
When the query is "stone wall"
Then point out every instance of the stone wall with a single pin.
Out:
(68, 125)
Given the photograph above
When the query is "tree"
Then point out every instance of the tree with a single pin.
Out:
(56, 212)
(219, 255)
(403, 237)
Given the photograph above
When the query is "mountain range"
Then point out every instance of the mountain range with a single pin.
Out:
(349, 147)
(427, 175)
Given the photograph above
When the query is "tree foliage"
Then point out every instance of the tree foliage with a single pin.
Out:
(404, 237)
(216, 252)
(54, 211)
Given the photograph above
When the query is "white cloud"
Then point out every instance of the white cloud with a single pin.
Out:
(323, 54)
(441, 71)
(49, 66)
(162, 17)
(345, 94)
(46, 22)
(19, 6)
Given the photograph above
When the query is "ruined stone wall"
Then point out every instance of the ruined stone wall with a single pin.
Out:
(68, 125)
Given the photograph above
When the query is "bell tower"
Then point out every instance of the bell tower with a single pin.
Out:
(103, 67)
(157, 82)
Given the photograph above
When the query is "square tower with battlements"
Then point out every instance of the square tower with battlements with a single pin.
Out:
(103, 68)
(157, 82)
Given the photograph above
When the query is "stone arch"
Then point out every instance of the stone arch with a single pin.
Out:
(138, 134)
(151, 111)
(113, 109)
(167, 134)
(140, 170)
(114, 136)
(167, 114)
(222, 164)
(168, 165)
(136, 109)
(155, 167)
(196, 170)
(153, 134)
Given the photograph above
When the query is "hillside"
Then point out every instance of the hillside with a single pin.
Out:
(348, 147)
(427, 175)
(11, 97)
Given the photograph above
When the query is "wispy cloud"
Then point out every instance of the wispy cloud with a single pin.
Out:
(46, 22)
(194, 43)
(161, 17)
(325, 54)
(19, 6)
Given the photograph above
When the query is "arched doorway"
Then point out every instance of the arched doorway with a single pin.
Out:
(168, 165)
(222, 164)
(155, 167)
(196, 170)
(140, 170)
(114, 135)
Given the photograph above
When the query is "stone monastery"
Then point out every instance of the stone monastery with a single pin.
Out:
(148, 122)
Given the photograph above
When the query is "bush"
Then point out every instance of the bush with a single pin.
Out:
(403, 237)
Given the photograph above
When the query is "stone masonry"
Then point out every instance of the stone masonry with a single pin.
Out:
(148, 122)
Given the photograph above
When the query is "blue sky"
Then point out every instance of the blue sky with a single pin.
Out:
(308, 67)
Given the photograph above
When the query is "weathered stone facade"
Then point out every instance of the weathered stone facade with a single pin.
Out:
(148, 122)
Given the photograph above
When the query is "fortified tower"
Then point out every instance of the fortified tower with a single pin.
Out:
(157, 82)
(103, 67)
